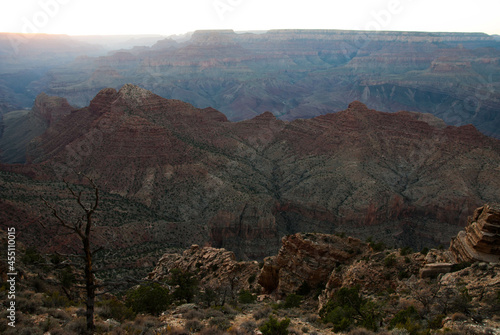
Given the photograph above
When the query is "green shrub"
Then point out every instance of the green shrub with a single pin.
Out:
(38, 284)
(407, 319)
(347, 308)
(115, 309)
(150, 298)
(30, 304)
(274, 327)
(56, 259)
(246, 297)
(376, 246)
(403, 275)
(208, 297)
(424, 251)
(185, 283)
(461, 302)
(292, 300)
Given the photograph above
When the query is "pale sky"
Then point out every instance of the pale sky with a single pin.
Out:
(167, 17)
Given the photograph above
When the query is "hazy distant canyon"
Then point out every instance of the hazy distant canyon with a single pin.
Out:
(291, 73)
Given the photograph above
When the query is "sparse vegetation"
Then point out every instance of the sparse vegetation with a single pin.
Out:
(149, 298)
(348, 308)
(274, 327)
(185, 283)
(246, 297)
(115, 309)
(293, 300)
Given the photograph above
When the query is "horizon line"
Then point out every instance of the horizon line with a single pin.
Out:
(248, 31)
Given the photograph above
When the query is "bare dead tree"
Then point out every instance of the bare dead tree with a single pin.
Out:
(82, 227)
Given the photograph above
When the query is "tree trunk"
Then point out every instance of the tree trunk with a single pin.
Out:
(89, 286)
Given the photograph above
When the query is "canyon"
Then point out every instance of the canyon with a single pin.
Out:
(403, 178)
(291, 73)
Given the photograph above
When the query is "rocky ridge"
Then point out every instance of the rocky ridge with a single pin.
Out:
(398, 177)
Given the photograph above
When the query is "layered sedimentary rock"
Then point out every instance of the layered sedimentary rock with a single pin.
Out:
(307, 259)
(481, 239)
(403, 177)
(305, 73)
(434, 269)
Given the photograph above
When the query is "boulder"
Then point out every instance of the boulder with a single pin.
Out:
(435, 269)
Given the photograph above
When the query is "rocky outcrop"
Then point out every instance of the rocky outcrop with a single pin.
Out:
(481, 239)
(216, 268)
(434, 269)
(307, 259)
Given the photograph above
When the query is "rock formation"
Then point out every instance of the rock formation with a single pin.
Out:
(216, 268)
(51, 108)
(398, 177)
(304, 73)
(20, 127)
(481, 239)
(307, 259)
(434, 269)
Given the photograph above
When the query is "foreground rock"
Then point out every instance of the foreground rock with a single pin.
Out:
(460, 297)
(481, 239)
(216, 269)
(307, 259)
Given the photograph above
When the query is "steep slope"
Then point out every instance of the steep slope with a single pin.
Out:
(18, 128)
(391, 176)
